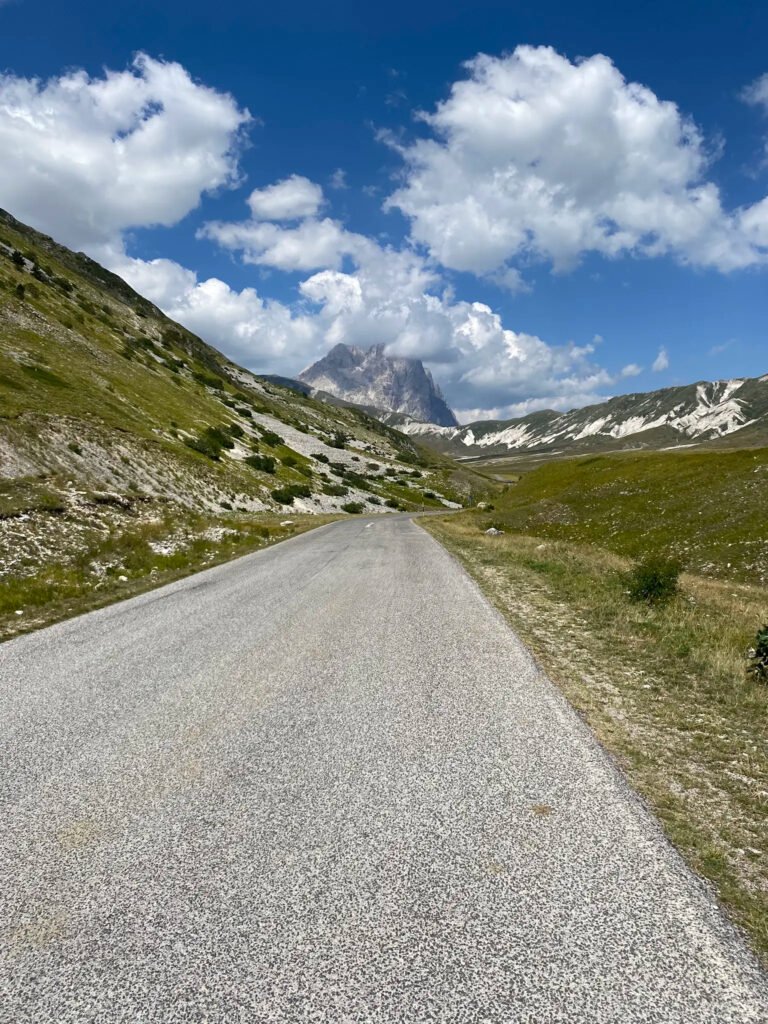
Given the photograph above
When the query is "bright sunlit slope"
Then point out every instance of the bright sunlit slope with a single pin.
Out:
(126, 441)
(707, 508)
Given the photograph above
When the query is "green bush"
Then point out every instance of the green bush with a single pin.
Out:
(391, 503)
(758, 657)
(235, 430)
(264, 463)
(654, 580)
(208, 380)
(336, 490)
(271, 438)
(290, 460)
(219, 436)
(285, 495)
(210, 442)
(320, 457)
(204, 446)
(353, 507)
(339, 440)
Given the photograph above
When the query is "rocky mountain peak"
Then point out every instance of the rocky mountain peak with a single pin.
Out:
(370, 377)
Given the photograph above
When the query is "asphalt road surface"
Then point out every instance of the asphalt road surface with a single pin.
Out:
(326, 783)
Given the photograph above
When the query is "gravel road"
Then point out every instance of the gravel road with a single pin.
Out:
(327, 783)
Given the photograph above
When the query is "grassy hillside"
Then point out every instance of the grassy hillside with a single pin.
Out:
(709, 508)
(116, 423)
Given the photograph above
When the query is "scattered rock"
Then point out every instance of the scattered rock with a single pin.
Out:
(19, 611)
(123, 579)
(493, 532)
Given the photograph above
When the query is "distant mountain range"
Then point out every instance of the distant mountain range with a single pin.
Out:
(402, 393)
(733, 410)
(370, 378)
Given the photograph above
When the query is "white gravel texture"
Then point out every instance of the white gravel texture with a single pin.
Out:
(326, 783)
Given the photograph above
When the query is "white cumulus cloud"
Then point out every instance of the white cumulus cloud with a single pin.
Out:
(661, 362)
(756, 92)
(86, 158)
(289, 199)
(631, 370)
(262, 334)
(535, 157)
(396, 298)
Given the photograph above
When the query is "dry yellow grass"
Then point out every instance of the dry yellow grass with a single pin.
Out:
(664, 689)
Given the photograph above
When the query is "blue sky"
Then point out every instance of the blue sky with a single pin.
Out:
(534, 225)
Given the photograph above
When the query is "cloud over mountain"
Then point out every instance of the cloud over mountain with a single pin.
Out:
(531, 159)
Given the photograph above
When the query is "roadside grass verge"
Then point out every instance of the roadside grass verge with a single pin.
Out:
(123, 557)
(664, 687)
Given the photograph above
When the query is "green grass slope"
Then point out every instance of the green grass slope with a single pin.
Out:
(710, 508)
(116, 422)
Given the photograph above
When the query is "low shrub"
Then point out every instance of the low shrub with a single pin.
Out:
(319, 457)
(339, 440)
(391, 503)
(271, 438)
(264, 463)
(353, 507)
(290, 460)
(204, 446)
(336, 490)
(220, 436)
(208, 380)
(210, 442)
(758, 657)
(654, 580)
(285, 495)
